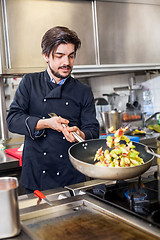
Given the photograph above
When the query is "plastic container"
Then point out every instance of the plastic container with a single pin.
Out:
(130, 116)
(147, 102)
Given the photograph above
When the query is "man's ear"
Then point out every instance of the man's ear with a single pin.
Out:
(45, 57)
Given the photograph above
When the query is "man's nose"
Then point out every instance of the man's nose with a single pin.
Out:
(66, 60)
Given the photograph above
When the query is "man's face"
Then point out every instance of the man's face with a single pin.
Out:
(61, 63)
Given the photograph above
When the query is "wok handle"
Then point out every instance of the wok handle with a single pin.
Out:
(152, 153)
(77, 136)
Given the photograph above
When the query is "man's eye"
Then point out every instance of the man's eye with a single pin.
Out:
(71, 56)
(58, 56)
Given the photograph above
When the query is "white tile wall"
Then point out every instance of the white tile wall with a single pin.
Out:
(154, 85)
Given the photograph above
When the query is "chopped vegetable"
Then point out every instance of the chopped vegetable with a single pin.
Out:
(120, 155)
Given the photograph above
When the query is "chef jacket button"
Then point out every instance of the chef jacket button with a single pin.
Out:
(67, 103)
(44, 153)
(44, 171)
(58, 173)
(64, 138)
(61, 156)
(43, 117)
(44, 99)
(44, 135)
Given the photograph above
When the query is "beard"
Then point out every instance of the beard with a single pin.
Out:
(57, 74)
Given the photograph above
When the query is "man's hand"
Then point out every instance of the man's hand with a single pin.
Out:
(54, 123)
(58, 124)
(67, 132)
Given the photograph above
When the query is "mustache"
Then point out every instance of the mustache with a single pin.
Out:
(65, 66)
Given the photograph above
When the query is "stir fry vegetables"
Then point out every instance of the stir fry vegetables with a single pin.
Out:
(119, 155)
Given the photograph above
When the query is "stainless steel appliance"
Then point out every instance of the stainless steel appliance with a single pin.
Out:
(9, 220)
(101, 105)
(97, 209)
(111, 119)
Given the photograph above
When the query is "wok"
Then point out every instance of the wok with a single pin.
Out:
(82, 154)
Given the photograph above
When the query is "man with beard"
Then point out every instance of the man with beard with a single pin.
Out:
(46, 162)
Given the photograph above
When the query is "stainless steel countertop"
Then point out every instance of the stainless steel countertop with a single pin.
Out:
(31, 213)
(7, 162)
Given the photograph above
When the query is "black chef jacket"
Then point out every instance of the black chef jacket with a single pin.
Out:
(46, 162)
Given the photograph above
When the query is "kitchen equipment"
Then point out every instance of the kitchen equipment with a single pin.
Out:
(130, 116)
(82, 155)
(111, 118)
(132, 99)
(138, 197)
(111, 99)
(41, 196)
(101, 105)
(152, 153)
(98, 209)
(9, 210)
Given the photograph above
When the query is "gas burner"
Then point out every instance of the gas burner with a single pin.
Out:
(138, 195)
(156, 216)
(137, 201)
(100, 190)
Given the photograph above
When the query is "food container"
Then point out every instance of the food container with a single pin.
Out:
(130, 116)
(9, 210)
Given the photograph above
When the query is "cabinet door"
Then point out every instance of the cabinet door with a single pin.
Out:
(129, 33)
(28, 20)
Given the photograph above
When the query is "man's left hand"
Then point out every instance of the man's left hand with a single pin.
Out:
(67, 131)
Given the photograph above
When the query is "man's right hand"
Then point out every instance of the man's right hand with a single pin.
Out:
(54, 123)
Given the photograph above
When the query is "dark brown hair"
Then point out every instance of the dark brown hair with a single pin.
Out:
(56, 36)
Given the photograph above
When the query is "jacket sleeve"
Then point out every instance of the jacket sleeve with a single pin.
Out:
(89, 123)
(18, 119)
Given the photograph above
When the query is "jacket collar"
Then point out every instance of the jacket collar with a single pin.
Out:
(55, 89)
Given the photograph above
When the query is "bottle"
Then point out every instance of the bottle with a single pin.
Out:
(147, 102)
(159, 120)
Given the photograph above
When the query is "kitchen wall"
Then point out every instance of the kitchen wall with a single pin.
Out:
(106, 84)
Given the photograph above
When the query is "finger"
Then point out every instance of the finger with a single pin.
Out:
(68, 135)
(63, 121)
(73, 129)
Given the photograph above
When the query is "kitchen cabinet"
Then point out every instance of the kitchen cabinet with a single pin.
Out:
(117, 36)
(26, 21)
(128, 32)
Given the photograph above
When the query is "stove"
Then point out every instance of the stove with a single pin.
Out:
(138, 197)
(98, 209)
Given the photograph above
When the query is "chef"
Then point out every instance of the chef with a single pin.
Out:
(46, 162)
